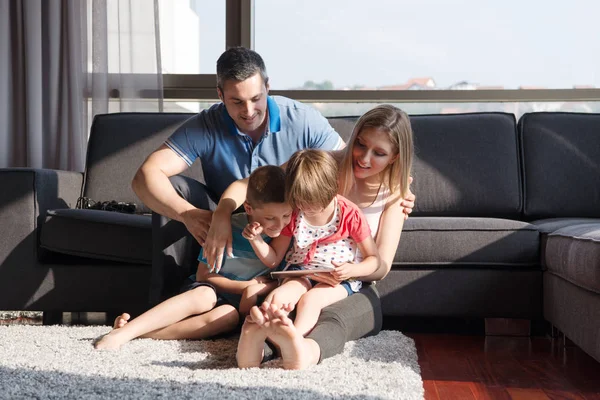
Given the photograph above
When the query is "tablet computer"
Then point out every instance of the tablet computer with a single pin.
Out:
(315, 268)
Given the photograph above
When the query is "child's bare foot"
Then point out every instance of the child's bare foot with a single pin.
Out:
(296, 351)
(110, 341)
(250, 349)
(121, 320)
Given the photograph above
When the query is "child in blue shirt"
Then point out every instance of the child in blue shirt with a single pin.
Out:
(208, 302)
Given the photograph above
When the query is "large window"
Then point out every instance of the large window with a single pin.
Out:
(429, 44)
(343, 56)
(192, 35)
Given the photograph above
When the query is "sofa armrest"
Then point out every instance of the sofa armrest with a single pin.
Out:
(26, 196)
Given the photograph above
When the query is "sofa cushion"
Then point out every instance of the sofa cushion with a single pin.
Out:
(549, 225)
(99, 234)
(573, 253)
(560, 164)
(466, 165)
(343, 126)
(477, 242)
(118, 145)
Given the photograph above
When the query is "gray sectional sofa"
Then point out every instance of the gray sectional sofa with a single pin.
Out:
(506, 224)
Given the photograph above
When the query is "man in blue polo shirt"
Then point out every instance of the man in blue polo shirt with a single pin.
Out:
(246, 130)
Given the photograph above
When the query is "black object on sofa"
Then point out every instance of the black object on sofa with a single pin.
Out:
(486, 188)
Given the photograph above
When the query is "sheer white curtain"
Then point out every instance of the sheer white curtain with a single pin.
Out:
(124, 56)
(62, 62)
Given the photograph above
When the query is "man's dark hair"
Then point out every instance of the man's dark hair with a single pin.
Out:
(266, 185)
(239, 64)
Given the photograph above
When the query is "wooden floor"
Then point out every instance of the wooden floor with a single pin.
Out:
(499, 367)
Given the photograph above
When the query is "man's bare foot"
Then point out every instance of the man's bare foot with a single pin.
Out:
(296, 351)
(121, 320)
(250, 349)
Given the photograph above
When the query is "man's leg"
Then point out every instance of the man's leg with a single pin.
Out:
(175, 250)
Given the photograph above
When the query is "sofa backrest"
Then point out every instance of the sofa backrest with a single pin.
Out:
(117, 146)
(465, 164)
(561, 163)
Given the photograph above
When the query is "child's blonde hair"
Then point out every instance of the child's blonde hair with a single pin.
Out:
(311, 179)
(396, 124)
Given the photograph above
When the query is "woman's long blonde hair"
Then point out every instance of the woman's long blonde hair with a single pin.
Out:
(396, 124)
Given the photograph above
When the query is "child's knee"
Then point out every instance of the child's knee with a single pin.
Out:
(309, 299)
(204, 295)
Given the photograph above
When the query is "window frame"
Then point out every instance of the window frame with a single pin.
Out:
(239, 29)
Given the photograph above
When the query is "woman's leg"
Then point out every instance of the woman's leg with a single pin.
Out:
(355, 317)
(173, 310)
(352, 318)
(313, 302)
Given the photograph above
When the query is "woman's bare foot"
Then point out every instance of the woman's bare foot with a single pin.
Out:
(111, 341)
(296, 351)
(250, 349)
(121, 320)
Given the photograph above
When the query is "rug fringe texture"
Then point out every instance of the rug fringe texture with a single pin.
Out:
(56, 362)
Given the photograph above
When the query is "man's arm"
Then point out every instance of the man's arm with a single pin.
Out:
(218, 236)
(152, 185)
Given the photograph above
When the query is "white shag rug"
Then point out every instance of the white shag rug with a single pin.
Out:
(54, 362)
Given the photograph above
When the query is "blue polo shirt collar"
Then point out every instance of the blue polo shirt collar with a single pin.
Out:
(274, 118)
(274, 115)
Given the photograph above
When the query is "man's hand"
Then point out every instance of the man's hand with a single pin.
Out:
(408, 203)
(252, 231)
(217, 239)
(197, 222)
